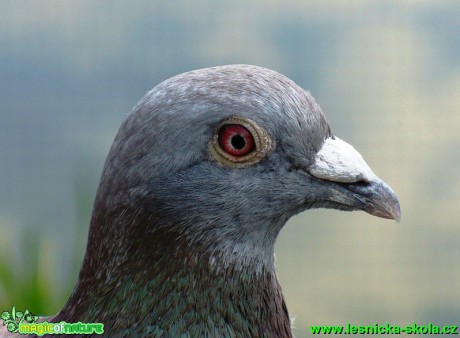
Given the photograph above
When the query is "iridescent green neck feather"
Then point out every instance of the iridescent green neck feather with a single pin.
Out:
(181, 293)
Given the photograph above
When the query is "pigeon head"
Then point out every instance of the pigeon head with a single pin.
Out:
(207, 168)
(223, 157)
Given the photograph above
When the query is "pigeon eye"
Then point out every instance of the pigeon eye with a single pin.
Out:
(236, 139)
(238, 142)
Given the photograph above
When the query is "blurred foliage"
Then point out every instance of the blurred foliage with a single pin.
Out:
(28, 291)
(30, 284)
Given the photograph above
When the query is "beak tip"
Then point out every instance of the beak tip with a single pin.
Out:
(384, 202)
(397, 214)
(394, 211)
(394, 208)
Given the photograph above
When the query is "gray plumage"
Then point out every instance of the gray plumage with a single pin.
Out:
(181, 241)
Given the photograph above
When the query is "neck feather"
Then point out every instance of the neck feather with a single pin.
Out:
(174, 289)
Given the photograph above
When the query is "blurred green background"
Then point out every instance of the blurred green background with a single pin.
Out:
(386, 73)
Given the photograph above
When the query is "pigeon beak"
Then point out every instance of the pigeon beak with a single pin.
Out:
(355, 186)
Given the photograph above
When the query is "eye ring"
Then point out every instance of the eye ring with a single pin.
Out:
(239, 142)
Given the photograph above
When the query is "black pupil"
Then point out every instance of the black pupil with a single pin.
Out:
(238, 142)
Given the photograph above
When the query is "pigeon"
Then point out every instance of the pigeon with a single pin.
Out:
(203, 174)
